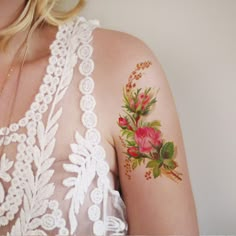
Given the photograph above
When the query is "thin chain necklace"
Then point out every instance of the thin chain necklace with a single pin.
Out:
(11, 68)
(18, 77)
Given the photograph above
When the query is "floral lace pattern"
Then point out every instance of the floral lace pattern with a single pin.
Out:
(29, 203)
(88, 157)
(29, 193)
(5, 165)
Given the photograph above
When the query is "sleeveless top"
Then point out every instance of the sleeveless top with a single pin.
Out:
(81, 199)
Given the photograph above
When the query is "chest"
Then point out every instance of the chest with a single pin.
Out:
(57, 167)
(38, 98)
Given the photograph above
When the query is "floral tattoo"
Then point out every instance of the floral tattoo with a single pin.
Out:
(143, 140)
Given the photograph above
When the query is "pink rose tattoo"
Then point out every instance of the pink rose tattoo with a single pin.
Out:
(133, 151)
(123, 122)
(147, 139)
(143, 140)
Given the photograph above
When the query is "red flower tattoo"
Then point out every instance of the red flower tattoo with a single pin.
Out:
(143, 140)
(123, 122)
(133, 151)
(147, 139)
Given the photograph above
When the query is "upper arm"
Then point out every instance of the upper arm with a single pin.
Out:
(148, 141)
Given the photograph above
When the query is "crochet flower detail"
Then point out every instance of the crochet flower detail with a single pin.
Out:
(142, 140)
(5, 165)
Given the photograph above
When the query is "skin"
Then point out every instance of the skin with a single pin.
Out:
(9, 11)
(36, 56)
(157, 206)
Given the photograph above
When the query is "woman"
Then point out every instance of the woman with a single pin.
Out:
(90, 142)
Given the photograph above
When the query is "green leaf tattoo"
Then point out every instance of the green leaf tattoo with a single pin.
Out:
(143, 140)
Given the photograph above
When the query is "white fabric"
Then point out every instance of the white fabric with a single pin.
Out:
(80, 198)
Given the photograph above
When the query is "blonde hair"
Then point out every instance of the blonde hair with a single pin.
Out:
(35, 13)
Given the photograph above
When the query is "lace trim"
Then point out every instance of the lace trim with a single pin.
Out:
(34, 190)
(47, 89)
(88, 156)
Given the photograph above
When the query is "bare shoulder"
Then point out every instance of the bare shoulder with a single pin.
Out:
(116, 55)
(117, 40)
(119, 49)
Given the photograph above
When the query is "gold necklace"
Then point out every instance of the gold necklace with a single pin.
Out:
(6, 79)
(18, 77)
(11, 68)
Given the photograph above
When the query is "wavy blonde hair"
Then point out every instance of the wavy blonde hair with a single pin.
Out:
(35, 13)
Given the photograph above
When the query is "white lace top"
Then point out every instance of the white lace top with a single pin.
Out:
(80, 199)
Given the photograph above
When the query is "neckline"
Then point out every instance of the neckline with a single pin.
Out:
(13, 127)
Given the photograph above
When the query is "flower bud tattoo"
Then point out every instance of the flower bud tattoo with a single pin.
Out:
(143, 140)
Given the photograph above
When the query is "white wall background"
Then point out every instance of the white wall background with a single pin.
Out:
(195, 41)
